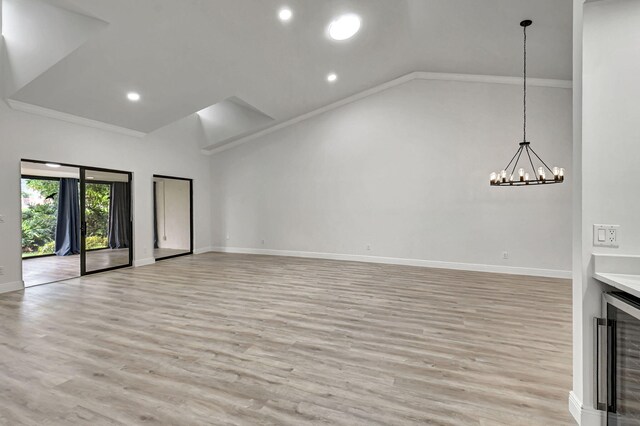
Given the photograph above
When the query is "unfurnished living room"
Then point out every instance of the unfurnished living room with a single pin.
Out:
(305, 212)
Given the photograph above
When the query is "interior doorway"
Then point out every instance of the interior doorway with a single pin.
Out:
(75, 221)
(172, 217)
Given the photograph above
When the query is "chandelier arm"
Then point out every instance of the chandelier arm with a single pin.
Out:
(514, 157)
(533, 168)
(516, 163)
(545, 164)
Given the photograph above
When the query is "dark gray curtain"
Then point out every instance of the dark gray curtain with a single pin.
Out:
(119, 215)
(155, 216)
(68, 220)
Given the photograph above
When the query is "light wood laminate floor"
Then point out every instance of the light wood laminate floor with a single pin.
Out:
(47, 269)
(160, 253)
(224, 339)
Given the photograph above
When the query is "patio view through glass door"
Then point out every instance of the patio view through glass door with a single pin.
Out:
(106, 221)
(75, 221)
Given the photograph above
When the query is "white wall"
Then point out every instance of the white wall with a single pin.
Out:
(173, 214)
(610, 154)
(168, 152)
(404, 171)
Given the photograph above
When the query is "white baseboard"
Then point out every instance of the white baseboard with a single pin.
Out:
(202, 250)
(575, 407)
(582, 415)
(549, 273)
(12, 286)
(144, 262)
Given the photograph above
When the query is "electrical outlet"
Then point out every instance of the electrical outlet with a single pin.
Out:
(1, 270)
(505, 255)
(1, 218)
(368, 247)
(606, 235)
(262, 242)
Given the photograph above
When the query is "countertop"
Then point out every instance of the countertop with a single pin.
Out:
(629, 283)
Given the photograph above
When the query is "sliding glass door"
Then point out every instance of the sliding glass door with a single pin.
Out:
(106, 220)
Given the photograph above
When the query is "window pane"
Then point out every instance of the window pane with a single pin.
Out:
(39, 210)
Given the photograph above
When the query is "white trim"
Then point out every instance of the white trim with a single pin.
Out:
(549, 273)
(12, 286)
(143, 262)
(575, 407)
(582, 415)
(470, 78)
(495, 79)
(202, 250)
(70, 118)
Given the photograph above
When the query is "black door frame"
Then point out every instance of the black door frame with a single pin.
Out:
(190, 252)
(83, 221)
(83, 250)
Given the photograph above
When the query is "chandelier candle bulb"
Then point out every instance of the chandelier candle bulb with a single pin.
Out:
(493, 177)
(526, 178)
(521, 174)
(556, 173)
(503, 175)
(561, 174)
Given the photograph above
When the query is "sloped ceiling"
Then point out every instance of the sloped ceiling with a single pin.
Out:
(184, 56)
(37, 35)
(230, 118)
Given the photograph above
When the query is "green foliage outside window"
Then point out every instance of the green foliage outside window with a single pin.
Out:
(97, 211)
(38, 229)
(39, 216)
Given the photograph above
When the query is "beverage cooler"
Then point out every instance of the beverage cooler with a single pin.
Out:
(618, 359)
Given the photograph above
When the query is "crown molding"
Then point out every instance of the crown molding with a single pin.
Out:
(70, 118)
(495, 79)
(419, 75)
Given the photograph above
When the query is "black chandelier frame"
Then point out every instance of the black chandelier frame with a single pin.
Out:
(506, 180)
(503, 178)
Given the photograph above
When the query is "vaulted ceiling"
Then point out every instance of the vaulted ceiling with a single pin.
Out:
(186, 56)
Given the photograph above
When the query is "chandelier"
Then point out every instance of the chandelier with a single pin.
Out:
(512, 175)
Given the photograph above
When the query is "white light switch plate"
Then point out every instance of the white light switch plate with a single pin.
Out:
(606, 235)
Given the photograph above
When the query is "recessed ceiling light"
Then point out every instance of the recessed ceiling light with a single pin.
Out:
(344, 27)
(332, 77)
(285, 14)
(52, 165)
(133, 96)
